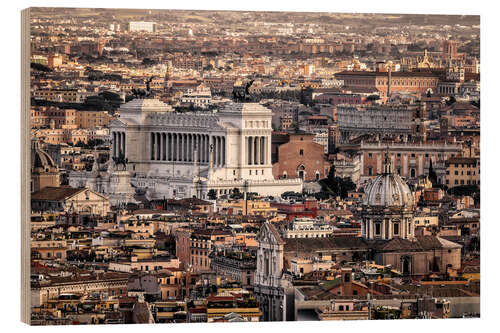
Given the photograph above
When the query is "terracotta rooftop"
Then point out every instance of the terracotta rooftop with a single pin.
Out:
(399, 74)
(325, 243)
(55, 193)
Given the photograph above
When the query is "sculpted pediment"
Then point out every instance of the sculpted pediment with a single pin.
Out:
(117, 123)
(266, 236)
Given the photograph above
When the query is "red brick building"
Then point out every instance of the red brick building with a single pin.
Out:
(295, 155)
(308, 208)
(413, 82)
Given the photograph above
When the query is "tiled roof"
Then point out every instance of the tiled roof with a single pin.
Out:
(325, 243)
(55, 193)
(399, 74)
(421, 243)
(396, 244)
(275, 232)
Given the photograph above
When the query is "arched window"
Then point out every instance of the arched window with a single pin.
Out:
(301, 171)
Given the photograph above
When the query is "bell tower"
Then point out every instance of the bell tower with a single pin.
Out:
(419, 131)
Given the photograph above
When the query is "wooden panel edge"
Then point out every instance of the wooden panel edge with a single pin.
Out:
(25, 167)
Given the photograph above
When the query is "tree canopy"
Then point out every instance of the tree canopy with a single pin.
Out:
(337, 186)
(40, 67)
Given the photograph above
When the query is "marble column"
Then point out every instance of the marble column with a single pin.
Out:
(201, 147)
(223, 151)
(249, 150)
(221, 154)
(207, 149)
(123, 148)
(179, 147)
(169, 147)
(204, 148)
(158, 147)
(114, 144)
(252, 151)
(152, 146)
(186, 147)
(264, 150)
(174, 146)
(199, 150)
(216, 151)
(257, 150)
(163, 146)
(191, 147)
(214, 143)
(119, 143)
(268, 150)
(194, 146)
(183, 146)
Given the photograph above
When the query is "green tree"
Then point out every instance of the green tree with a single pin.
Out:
(451, 100)
(291, 194)
(212, 195)
(236, 194)
(469, 190)
(40, 67)
(432, 174)
(148, 62)
(208, 67)
(337, 186)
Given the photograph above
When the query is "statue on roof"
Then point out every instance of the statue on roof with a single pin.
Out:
(149, 93)
(242, 93)
(141, 93)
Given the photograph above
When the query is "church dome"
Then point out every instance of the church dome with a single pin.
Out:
(388, 189)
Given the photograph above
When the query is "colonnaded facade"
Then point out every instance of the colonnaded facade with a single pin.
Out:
(173, 154)
(377, 120)
(410, 159)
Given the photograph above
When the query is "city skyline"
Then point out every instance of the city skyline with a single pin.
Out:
(221, 166)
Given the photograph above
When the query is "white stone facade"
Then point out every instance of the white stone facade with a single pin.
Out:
(184, 154)
(308, 228)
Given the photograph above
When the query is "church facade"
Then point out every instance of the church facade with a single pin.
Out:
(387, 237)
